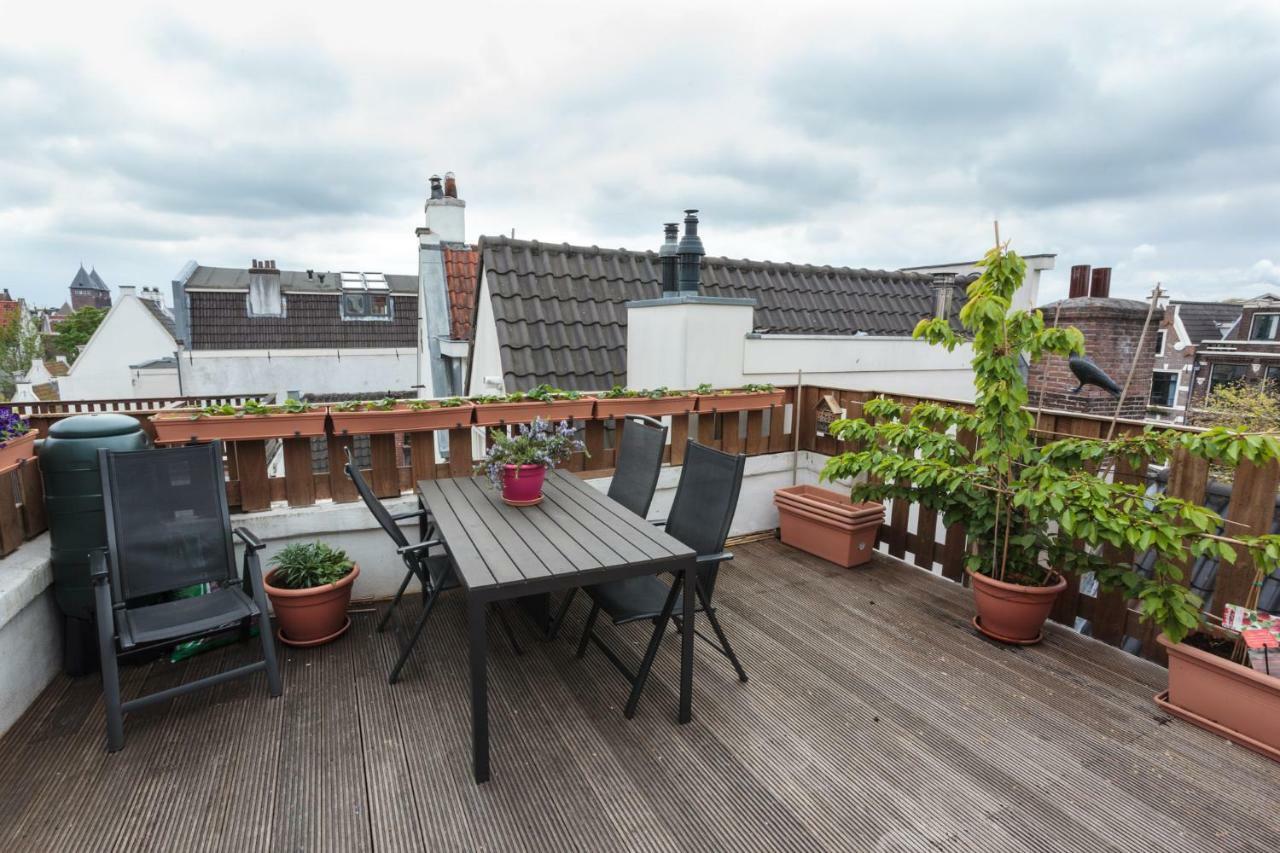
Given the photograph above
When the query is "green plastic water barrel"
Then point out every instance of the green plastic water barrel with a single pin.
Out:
(73, 498)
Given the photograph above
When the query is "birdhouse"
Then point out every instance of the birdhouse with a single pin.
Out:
(827, 412)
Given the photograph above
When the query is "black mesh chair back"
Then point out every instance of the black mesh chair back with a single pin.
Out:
(639, 461)
(705, 502)
(375, 506)
(167, 519)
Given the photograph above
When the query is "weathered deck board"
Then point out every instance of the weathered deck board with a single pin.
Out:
(875, 719)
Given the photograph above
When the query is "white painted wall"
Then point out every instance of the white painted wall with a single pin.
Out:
(155, 382)
(309, 371)
(486, 358)
(1027, 298)
(129, 334)
(681, 344)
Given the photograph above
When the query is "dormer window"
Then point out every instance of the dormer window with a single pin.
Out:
(365, 296)
(1266, 327)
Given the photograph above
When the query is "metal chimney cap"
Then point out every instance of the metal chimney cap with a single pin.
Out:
(669, 247)
(437, 191)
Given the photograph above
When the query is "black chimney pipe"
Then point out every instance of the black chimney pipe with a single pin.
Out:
(690, 253)
(667, 257)
(437, 191)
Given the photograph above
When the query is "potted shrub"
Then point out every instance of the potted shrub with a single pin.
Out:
(357, 417)
(517, 464)
(253, 420)
(618, 402)
(17, 440)
(542, 401)
(1034, 513)
(310, 587)
(742, 399)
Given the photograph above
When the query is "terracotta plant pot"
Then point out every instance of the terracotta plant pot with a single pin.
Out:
(499, 414)
(1234, 701)
(403, 418)
(181, 427)
(1010, 612)
(617, 407)
(309, 617)
(13, 451)
(739, 401)
(828, 524)
(522, 484)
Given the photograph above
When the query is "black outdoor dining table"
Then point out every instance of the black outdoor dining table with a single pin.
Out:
(576, 536)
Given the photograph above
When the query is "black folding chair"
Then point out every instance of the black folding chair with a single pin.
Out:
(635, 477)
(168, 528)
(700, 516)
(434, 571)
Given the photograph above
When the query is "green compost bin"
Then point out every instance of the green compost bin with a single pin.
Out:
(77, 524)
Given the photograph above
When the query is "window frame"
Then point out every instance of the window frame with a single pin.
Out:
(1242, 377)
(368, 296)
(1161, 338)
(1177, 387)
(1274, 317)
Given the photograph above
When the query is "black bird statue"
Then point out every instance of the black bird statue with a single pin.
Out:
(1090, 374)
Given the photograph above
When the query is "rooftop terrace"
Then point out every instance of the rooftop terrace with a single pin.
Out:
(876, 718)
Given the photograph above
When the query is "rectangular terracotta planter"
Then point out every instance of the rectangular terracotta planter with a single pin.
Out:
(739, 401)
(13, 451)
(403, 418)
(500, 414)
(828, 524)
(180, 427)
(617, 407)
(1233, 701)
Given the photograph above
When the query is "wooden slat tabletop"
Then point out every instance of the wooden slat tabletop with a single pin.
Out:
(577, 532)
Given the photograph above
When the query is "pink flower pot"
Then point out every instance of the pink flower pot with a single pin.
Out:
(522, 484)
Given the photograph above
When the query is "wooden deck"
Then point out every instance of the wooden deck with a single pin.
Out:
(875, 720)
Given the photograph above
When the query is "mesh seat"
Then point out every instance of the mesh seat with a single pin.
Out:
(174, 619)
(168, 529)
(701, 513)
(635, 478)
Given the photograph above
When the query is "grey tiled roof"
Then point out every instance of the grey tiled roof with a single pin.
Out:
(291, 281)
(1202, 319)
(311, 321)
(159, 313)
(561, 316)
(83, 281)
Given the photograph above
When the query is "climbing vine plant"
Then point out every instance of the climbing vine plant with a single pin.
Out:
(1031, 509)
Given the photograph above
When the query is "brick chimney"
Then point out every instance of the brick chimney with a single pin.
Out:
(1079, 281)
(1100, 285)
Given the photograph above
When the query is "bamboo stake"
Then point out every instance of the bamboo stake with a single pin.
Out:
(1133, 366)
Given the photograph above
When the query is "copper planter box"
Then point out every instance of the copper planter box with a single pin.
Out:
(1224, 697)
(402, 418)
(13, 451)
(617, 407)
(500, 414)
(739, 401)
(180, 427)
(828, 524)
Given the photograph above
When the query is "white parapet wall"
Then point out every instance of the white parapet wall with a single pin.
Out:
(684, 341)
(30, 628)
(212, 373)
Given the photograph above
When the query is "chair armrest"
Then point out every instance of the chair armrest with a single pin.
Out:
(417, 513)
(409, 549)
(98, 572)
(658, 522)
(715, 558)
(253, 543)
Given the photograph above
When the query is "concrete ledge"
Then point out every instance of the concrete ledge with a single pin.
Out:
(24, 574)
(692, 299)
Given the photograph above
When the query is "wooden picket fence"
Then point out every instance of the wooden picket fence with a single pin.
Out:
(916, 534)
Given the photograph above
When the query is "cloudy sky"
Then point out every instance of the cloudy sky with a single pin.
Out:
(1144, 137)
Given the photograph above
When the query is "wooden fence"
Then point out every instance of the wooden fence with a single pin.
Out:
(48, 410)
(914, 533)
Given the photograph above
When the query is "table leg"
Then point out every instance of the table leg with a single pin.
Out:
(689, 600)
(478, 641)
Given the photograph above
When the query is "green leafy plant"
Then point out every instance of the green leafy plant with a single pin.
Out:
(75, 330)
(486, 398)
(348, 406)
(385, 404)
(254, 407)
(1033, 510)
(539, 443)
(760, 388)
(295, 407)
(304, 565)
(704, 389)
(617, 392)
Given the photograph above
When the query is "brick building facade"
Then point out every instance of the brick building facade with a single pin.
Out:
(1249, 354)
(1111, 328)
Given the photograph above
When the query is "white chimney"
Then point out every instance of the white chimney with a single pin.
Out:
(128, 290)
(264, 290)
(446, 213)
